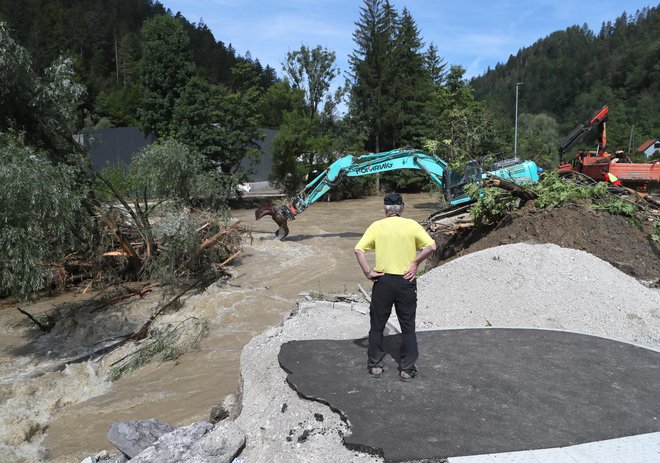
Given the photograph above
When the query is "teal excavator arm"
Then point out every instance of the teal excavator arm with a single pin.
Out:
(355, 166)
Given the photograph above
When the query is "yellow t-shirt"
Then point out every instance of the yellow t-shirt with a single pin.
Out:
(396, 241)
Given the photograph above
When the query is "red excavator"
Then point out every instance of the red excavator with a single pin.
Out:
(644, 178)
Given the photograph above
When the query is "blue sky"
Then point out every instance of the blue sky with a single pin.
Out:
(475, 34)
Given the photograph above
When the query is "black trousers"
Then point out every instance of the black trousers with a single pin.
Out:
(394, 290)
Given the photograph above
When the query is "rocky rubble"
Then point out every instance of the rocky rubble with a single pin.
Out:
(151, 441)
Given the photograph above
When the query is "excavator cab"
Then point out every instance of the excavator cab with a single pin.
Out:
(455, 183)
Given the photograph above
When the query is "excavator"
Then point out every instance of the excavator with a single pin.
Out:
(452, 183)
(644, 178)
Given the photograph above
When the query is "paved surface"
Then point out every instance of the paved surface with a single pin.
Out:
(484, 392)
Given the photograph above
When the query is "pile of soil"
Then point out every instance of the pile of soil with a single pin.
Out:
(609, 237)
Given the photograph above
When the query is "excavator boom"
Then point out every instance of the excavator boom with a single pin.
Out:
(642, 177)
(355, 166)
(596, 122)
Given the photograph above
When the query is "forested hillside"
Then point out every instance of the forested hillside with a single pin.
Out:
(570, 74)
(104, 37)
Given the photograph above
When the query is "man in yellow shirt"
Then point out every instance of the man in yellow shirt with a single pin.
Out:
(395, 241)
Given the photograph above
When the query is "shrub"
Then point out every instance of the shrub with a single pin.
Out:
(41, 216)
(170, 170)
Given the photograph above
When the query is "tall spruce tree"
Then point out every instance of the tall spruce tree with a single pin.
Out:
(411, 82)
(390, 82)
(435, 64)
(369, 71)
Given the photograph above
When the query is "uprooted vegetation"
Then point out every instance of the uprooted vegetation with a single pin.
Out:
(162, 222)
(61, 229)
(613, 224)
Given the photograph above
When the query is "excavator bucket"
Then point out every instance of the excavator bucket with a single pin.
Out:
(277, 216)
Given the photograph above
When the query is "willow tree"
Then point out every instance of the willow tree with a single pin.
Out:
(42, 184)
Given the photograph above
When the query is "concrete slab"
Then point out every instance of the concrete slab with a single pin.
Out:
(643, 448)
(483, 391)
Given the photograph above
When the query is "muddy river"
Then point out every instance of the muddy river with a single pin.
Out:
(63, 416)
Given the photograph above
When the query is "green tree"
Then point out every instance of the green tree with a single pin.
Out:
(171, 170)
(293, 152)
(462, 128)
(167, 68)
(279, 99)
(370, 97)
(128, 54)
(119, 106)
(435, 65)
(538, 139)
(392, 78)
(311, 70)
(306, 143)
(45, 106)
(412, 84)
(41, 192)
(192, 119)
(42, 216)
(237, 118)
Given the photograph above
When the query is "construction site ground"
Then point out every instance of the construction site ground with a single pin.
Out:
(610, 237)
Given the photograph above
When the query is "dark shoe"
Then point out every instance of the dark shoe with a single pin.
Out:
(407, 375)
(376, 372)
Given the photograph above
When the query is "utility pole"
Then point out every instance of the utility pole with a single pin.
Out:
(631, 139)
(515, 133)
(116, 59)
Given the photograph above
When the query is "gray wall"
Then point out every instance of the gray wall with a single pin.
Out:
(261, 170)
(118, 145)
(114, 146)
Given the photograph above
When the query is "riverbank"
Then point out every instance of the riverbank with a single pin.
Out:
(73, 409)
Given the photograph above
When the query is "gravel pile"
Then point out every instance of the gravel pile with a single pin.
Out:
(539, 286)
(518, 285)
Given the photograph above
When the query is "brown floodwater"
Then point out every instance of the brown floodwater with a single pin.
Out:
(316, 257)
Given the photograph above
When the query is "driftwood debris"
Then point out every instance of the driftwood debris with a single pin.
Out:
(131, 293)
(144, 329)
(209, 243)
(133, 257)
(643, 196)
(450, 225)
(517, 191)
(42, 327)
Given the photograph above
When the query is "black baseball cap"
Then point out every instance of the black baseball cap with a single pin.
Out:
(393, 199)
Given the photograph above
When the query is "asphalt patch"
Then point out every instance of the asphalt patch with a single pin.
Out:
(482, 391)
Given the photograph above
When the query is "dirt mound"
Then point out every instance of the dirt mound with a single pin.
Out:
(609, 237)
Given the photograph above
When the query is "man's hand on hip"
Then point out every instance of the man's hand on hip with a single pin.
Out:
(411, 273)
(373, 275)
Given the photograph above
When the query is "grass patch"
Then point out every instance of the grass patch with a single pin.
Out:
(168, 345)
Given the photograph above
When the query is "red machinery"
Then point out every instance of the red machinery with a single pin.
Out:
(595, 164)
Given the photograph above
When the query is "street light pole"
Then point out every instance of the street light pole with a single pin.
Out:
(515, 133)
